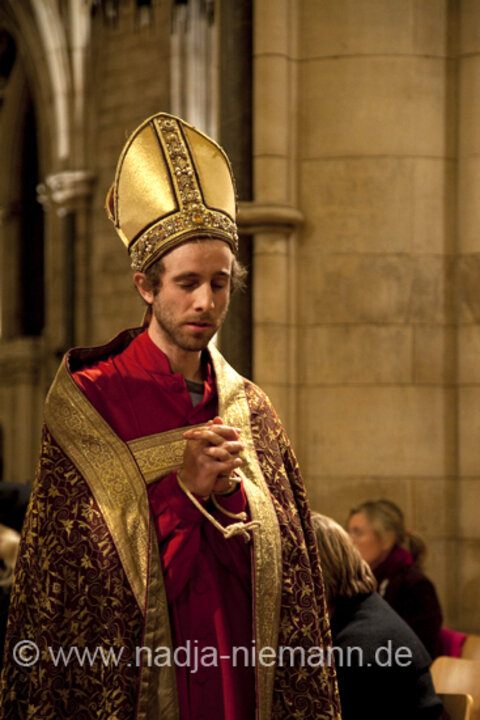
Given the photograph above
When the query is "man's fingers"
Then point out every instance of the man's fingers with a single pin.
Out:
(221, 453)
(218, 453)
(231, 448)
(213, 434)
(208, 437)
(226, 467)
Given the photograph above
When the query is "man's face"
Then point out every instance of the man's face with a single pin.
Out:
(192, 301)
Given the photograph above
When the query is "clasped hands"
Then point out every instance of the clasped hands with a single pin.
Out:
(210, 457)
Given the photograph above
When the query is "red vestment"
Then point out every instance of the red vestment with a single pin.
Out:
(89, 576)
(207, 578)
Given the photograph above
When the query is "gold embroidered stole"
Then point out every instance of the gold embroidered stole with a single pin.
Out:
(117, 473)
(267, 549)
(115, 481)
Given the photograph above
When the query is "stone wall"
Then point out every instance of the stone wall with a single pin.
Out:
(377, 315)
(382, 308)
(468, 309)
(131, 67)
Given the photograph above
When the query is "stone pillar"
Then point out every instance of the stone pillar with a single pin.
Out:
(20, 405)
(193, 67)
(67, 193)
(28, 364)
(376, 312)
(9, 244)
(274, 290)
(469, 316)
(235, 135)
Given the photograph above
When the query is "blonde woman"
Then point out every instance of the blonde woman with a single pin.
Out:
(382, 667)
(9, 543)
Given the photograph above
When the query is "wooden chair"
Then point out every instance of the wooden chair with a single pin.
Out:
(456, 706)
(471, 648)
(457, 675)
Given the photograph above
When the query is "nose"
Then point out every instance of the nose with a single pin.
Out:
(203, 298)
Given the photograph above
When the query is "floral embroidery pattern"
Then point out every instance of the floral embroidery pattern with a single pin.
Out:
(299, 692)
(69, 583)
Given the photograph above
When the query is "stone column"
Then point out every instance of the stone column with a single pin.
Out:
(193, 64)
(274, 291)
(469, 316)
(20, 406)
(67, 194)
(9, 296)
(377, 325)
(235, 135)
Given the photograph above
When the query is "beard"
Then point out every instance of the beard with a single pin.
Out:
(183, 337)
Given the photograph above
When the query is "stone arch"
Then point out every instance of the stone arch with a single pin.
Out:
(30, 72)
(38, 31)
(28, 142)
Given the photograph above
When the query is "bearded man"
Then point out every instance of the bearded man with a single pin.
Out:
(168, 541)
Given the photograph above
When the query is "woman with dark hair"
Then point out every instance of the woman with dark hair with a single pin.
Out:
(382, 667)
(395, 555)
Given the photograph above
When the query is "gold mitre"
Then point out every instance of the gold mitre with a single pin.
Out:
(172, 184)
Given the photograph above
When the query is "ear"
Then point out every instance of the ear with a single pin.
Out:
(140, 281)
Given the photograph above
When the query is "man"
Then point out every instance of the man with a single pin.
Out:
(169, 530)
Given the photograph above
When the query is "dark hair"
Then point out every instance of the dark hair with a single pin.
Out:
(385, 516)
(345, 572)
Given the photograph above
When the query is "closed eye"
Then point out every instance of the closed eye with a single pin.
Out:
(188, 285)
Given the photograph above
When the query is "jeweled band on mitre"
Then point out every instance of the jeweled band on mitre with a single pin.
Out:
(185, 226)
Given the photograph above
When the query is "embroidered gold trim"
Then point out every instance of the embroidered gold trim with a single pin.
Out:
(233, 408)
(110, 471)
(160, 454)
(158, 687)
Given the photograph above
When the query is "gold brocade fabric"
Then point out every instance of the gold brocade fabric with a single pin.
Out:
(299, 691)
(111, 472)
(235, 410)
(70, 595)
(89, 573)
(158, 455)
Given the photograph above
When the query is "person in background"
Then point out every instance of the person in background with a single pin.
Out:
(382, 667)
(13, 505)
(9, 543)
(395, 555)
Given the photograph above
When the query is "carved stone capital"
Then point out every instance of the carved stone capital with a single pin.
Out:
(64, 190)
(257, 218)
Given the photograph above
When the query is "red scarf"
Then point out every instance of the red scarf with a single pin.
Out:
(397, 559)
